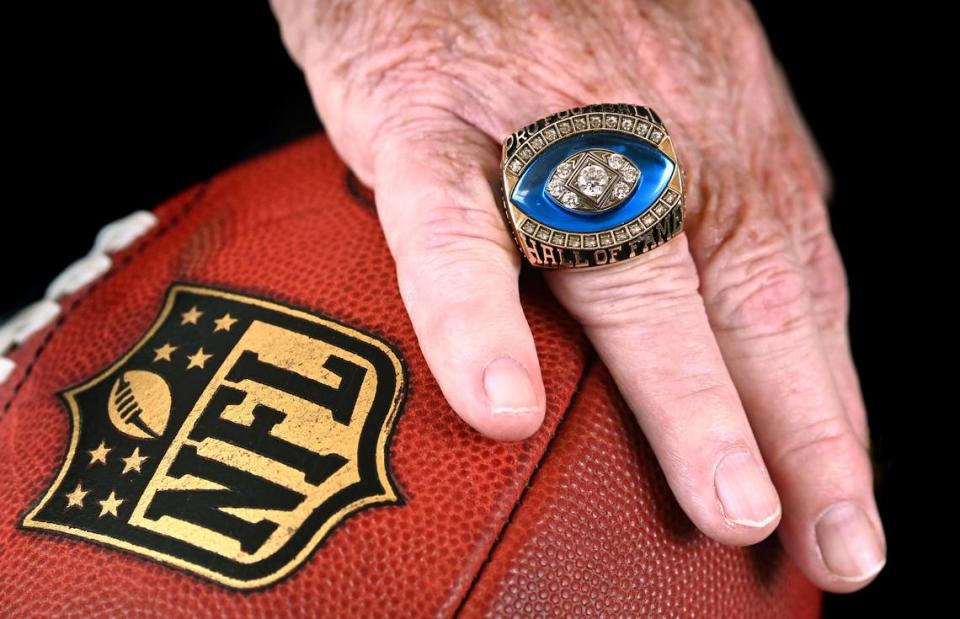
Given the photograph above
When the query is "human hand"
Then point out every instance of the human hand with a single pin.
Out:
(729, 342)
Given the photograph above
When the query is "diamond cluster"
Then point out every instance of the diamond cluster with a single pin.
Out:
(593, 180)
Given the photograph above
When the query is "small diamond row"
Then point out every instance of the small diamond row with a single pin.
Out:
(622, 234)
(651, 132)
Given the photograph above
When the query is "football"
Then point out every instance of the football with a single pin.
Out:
(223, 411)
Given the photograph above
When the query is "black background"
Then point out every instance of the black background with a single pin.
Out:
(112, 109)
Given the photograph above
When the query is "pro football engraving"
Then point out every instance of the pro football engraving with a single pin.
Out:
(230, 440)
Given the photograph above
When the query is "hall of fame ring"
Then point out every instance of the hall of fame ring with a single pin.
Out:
(592, 186)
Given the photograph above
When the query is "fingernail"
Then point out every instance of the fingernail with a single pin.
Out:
(849, 544)
(508, 387)
(746, 494)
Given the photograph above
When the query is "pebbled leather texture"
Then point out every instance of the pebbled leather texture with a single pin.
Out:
(596, 532)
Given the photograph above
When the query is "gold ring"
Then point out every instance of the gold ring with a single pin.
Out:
(592, 186)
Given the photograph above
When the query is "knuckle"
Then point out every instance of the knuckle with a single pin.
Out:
(754, 285)
(769, 302)
(817, 441)
(447, 228)
(434, 155)
(451, 252)
(656, 285)
(722, 192)
(692, 394)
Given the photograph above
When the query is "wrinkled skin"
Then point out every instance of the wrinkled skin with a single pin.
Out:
(729, 340)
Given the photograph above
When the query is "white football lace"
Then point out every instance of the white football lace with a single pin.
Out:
(112, 238)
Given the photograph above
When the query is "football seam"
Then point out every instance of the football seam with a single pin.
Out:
(588, 366)
(198, 194)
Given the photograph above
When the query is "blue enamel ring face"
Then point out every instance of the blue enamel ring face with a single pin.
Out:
(592, 186)
(531, 194)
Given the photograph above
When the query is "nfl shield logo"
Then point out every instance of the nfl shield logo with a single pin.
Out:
(230, 440)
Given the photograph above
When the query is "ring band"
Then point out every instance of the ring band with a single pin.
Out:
(592, 186)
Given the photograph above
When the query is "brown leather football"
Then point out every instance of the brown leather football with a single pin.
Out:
(223, 411)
